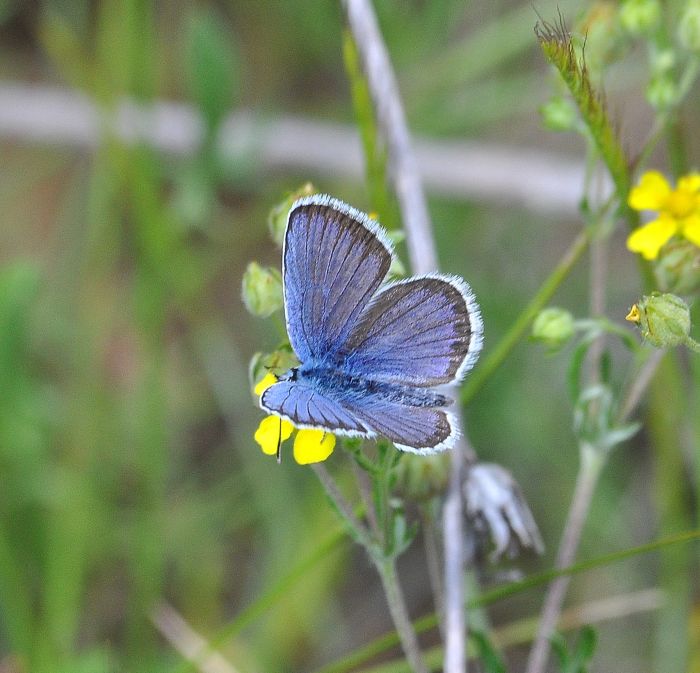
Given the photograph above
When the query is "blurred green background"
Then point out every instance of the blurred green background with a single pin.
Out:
(129, 473)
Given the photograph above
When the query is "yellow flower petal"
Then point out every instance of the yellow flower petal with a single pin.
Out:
(651, 192)
(689, 183)
(650, 238)
(271, 432)
(313, 446)
(634, 315)
(691, 228)
(264, 383)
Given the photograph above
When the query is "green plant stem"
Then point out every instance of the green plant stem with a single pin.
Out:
(364, 486)
(434, 563)
(427, 622)
(374, 153)
(399, 614)
(592, 462)
(668, 416)
(663, 120)
(503, 348)
(555, 41)
(383, 561)
(356, 528)
(639, 384)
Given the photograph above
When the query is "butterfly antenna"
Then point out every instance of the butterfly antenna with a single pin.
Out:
(279, 444)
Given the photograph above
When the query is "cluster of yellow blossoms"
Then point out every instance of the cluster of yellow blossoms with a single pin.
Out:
(678, 212)
(310, 446)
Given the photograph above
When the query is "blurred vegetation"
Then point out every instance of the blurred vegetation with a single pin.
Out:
(129, 472)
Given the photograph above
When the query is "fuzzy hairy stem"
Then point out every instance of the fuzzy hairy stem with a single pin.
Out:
(399, 614)
(357, 529)
(559, 50)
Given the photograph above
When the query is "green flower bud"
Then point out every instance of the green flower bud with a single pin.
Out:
(661, 92)
(639, 16)
(262, 290)
(689, 26)
(678, 267)
(277, 219)
(558, 114)
(663, 319)
(277, 362)
(553, 327)
(422, 477)
(662, 61)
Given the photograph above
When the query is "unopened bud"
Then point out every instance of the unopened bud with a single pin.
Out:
(678, 267)
(663, 320)
(558, 114)
(689, 26)
(553, 327)
(661, 92)
(420, 478)
(639, 16)
(262, 290)
(277, 219)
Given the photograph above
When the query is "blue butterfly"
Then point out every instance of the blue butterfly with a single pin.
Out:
(371, 357)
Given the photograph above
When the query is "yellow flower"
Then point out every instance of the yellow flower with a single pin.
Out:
(313, 446)
(271, 432)
(310, 446)
(678, 212)
(264, 383)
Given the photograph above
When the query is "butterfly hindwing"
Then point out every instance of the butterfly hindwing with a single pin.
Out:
(415, 429)
(422, 331)
(420, 429)
(305, 406)
(335, 258)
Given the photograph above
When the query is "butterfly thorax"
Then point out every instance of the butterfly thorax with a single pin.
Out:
(335, 382)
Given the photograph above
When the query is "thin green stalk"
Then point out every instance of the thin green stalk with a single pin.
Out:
(428, 622)
(592, 461)
(358, 531)
(661, 124)
(374, 153)
(265, 601)
(399, 614)
(519, 632)
(668, 415)
(500, 352)
(381, 554)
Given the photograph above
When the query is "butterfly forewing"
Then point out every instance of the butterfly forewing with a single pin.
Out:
(334, 260)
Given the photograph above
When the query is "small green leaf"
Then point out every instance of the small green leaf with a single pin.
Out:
(489, 658)
(561, 651)
(585, 648)
(573, 376)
